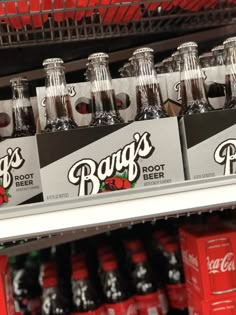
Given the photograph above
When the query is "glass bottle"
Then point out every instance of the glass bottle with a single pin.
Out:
(168, 65)
(206, 60)
(159, 68)
(176, 61)
(103, 95)
(218, 55)
(193, 92)
(23, 116)
(58, 105)
(230, 72)
(148, 93)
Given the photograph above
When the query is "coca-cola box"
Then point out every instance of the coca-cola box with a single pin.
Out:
(209, 144)
(20, 181)
(102, 159)
(217, 306)
(209, 258)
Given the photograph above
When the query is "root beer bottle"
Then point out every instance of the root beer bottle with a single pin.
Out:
(168, 65)
(58, 106)
(23, 116)
(218, 55)
(206, 60)
(176, 61)
(193, 93)
(148, 93)
(103, 95)
(230, 77)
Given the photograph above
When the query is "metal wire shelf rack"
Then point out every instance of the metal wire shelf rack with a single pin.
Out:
(29, 22)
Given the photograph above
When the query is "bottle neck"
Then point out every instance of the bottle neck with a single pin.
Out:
(100, 77)
(55, 82)
(20, 96)
(230, 61)
(230, 74)
(192, 82)
(145, 73)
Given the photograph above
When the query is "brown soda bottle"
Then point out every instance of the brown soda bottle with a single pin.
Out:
(58, 106)
(103, 95)
(206, 60)
(148, 93)
(230, 72)
(23, 116)
(159, 68)
(193, 92)
(218, 55)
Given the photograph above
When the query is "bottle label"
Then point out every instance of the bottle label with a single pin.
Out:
(177, 295)
(127, 307)
(151, 304)
(98, 311)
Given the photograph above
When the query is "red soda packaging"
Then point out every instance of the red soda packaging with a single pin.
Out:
(209, 260)
(118, 296)
(149, 299)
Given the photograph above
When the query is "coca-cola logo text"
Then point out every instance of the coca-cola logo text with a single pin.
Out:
(87, 172)
(12, 160)
(190, 259)
(225, 154)
(221, 264)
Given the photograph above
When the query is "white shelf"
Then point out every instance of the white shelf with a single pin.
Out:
(123, 207)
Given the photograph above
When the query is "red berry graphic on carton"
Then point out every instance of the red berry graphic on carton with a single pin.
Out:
(116, 182)
(4, 195)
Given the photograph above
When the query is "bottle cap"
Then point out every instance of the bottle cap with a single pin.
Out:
(107, 256)
(109, 265)
(97, 56)
(218, 48)
(175, 54)
(143, 50)
(229, 42)
(188, 46)
(206, 55)
(80, 274)
(49, 282)
(53, 62)
(157, 235)
(171, 247)
(104, 250)
(133, 245)
(170, 59)
(19, 81)
(139, 257)
(76, 265)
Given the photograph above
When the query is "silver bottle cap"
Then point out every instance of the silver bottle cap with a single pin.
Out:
(19, 81)
(229, 42)
(53, 62)
(96, 56)
(206, 55)
(218, 48)
(188, 46)
(175, 54)
(142, 50)
(166, 60)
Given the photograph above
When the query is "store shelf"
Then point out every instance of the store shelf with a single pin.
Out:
(57, 24)
(112, 210)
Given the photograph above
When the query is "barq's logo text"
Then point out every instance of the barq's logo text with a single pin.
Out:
(221, 264)
(88, 172)
(225, 154)
(12, 160)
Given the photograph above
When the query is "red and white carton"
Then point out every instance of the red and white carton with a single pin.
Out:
(7, 306)
(209, 258)
(218, 306)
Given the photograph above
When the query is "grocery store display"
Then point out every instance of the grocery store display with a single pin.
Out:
(104, 108)
(23, 116)
(193, 93)
(148, 93)
(230, 78)
(59, 114)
